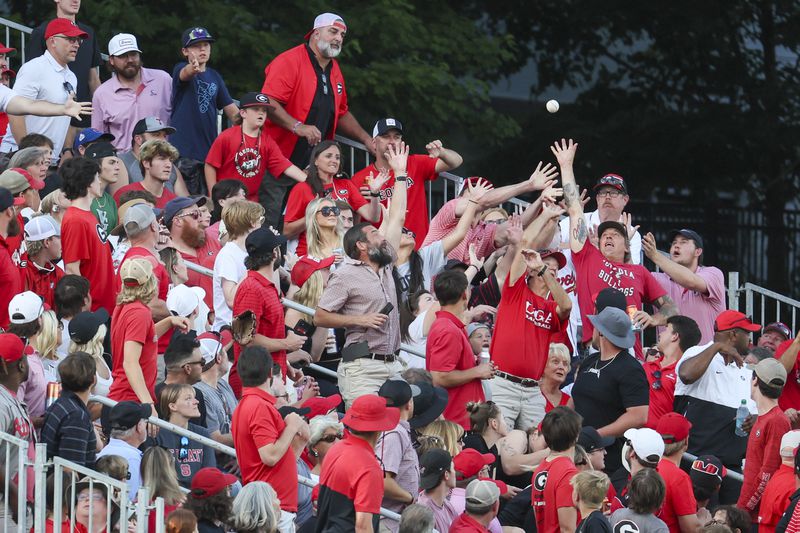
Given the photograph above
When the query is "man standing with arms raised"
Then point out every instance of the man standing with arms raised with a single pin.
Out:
(307, 91)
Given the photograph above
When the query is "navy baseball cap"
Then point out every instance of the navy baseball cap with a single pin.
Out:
(90, 135)
(687, 233)
(176, 205)
(263, 241)
(196, 35)
(254, 99)
(386, 124)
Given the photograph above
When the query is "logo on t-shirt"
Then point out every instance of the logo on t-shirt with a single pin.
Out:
(101, 233)
(567, 281)
(539, 317)
(388, 190)
(540, 481)
(247, 162)
(21, 428)
(626, 526)
(339, 88)
(612, 276)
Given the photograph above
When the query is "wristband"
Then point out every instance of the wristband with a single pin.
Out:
(401, 178)
(542, 271)
(294, 128)
(375, 194)
(473, 201)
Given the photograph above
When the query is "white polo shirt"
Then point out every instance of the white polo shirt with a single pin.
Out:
(42, 78)
(721, 384)
(6, 95)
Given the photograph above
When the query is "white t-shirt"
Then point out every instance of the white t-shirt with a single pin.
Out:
(6, 95)
(418, 340)
(433, 261)
(228, 265)
(42, 78)
(721, 384)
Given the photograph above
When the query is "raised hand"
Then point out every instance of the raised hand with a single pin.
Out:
(552, 210)
(514, 229)
(377, 182)
(649, 245)
(76, 109)
(477, 190)
(593, 236)
(551, 194)
(434, 148)
(474, 260)
(564, 152)
(397, 157)
(625, 220)
(543, 177)
(532, 260)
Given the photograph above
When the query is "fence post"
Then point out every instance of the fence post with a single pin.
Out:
(733, 290)
(40, 492)
(748, 301)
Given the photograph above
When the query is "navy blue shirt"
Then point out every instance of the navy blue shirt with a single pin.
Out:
(194, 111)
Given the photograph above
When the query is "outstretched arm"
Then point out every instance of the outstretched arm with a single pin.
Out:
(679, 273)
(578, 232)
(19, 105)
(550, 212)
(473, 196)
(541, 179)
(396, 218)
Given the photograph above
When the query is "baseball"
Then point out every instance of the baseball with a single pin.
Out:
(552, 106)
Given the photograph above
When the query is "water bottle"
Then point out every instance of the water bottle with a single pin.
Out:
(741, 413)
(484, 357)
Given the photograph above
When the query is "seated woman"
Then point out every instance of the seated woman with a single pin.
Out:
(256, 509)
(179, 405)
(161, 479)
(325, 432)
(324, 230)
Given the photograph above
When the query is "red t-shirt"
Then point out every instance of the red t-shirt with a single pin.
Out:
(550, 490)
(523, 329)
(679, 499)
(205, 257)
(259, 295)
(83, 239)
(776, 499)
(790, 396)
(10, 281)
(564, 400)
(159, 270)
(240, 157)
(420, 168)
(41, 280)
(255, 424)
(14, 244)
(161, 201)
(594, 273)
(662, 396)
(762, 458)
(466, 524)
(448, 349)
(290, 79)
(302, 194)
(132, 322)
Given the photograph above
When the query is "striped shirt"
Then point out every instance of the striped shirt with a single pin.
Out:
(68, 431)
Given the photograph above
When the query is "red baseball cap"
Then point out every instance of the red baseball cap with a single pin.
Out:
(369, 413)
(555, 254)
(473, 180)
(11, 347)
(306, 266)
(64, 27)
(35, 183)
(321, 405)
(734, 319)
(210, 481)
(500, 484)
(6, 49)
(673, 427)
(469, 462)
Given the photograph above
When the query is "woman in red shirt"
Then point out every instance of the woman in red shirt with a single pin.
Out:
(554, 375)
(323, 182)
(161, 478)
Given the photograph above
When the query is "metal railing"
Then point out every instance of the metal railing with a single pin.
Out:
(15, 468)
(19, 31)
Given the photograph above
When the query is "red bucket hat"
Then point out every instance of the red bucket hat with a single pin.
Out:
(369, 413)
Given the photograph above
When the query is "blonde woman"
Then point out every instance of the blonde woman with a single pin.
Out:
(134, 343)
(46, 342)
(450, 433)
(240, 218)
(324, 229)
(310, 275)
(87, 331)
(55, 204)
(160, 477)
(555, 373)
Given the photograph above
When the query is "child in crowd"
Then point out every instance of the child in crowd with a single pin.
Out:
(589, 490)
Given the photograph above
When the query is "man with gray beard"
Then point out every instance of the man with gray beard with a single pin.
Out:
(360, 297)
(309, 102)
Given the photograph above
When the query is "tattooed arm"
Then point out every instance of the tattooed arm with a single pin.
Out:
(578, 232)
(666, 309)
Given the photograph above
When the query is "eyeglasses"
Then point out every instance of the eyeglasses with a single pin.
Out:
(194, 214)
(94, 496)
(330, 439)
(328, 211)
(183, 453)
(496, 221)
(68, 87)
(609, 194)
(657, 382)
(72, 40)
(200, 362)
(409, 232)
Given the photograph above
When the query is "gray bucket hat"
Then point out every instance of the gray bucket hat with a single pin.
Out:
(615, 325)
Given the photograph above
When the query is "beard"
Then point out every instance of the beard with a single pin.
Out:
(14, 228)
(381, 254)
(129, 71)
(327, 50)
(194, 237)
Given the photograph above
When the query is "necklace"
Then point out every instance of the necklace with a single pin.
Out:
(596, 371)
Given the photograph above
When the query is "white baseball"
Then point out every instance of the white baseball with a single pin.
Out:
(552, 106)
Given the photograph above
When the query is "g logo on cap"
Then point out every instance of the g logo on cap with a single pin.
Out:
(262, 98)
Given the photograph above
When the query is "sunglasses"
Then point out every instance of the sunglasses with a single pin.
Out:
(68, 86)
(183, 453)
(330, 439)
(328, 211)
(200, 362)
(194, 214)
(409, 232)
(71, 40)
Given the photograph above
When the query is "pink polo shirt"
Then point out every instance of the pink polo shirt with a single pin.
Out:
(117, 109)
(481, 234)
(702, 308)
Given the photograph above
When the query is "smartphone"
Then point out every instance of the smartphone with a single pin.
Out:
(387, 308)
(303, 328)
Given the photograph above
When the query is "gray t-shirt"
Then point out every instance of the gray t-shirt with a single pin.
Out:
(135, 171)
(433, 261)
(220, 403)
(636, 523)
(190, 456)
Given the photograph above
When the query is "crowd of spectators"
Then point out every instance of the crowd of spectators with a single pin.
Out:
(563, 422)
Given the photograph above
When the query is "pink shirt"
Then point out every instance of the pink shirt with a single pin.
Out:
(33, 392)
(117, 109)
(702, 308)
(446, 221)
(442, 516)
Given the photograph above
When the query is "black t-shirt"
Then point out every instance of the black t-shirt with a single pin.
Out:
(487, 293)
(518, 512)
(321, 113)
(476, 442)
(596, 522)
(603, 390)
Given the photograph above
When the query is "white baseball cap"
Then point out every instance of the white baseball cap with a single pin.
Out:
(646, 443)
(209, 347)
(789, 443)
(122, 43)
(327, 19)
(25, 307)
(182, 300)
(40, 228)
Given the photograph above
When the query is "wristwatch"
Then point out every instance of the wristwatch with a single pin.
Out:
(401, 178)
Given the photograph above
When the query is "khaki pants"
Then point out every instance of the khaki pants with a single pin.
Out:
(364, 376)
(522, 407)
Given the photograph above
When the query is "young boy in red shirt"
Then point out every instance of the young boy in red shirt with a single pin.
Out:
(551, 493)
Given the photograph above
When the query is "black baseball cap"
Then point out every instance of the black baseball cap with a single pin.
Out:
(195, 35)
(176, 205)
(384, 125)
(609, 297)
(286, 410)
(432, 466)
(83, 326)
(428, 404)
(689, 234)
(590, 440)
(707, 472)
(254, 99)
(610, 224)
(99, 150)
(263, 241)
(454, 264)
(126, 415)
(397, 392)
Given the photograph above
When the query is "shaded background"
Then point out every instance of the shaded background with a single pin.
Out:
(695, 103)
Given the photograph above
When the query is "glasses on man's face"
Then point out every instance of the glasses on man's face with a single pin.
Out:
(71, 40)
(200, 362)
(496, 221)
(94, 496)
(609, 194)
(194, 214)
(409, 232)
(183, 453)
(330, 439)
(68, 87)
(328, 211)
